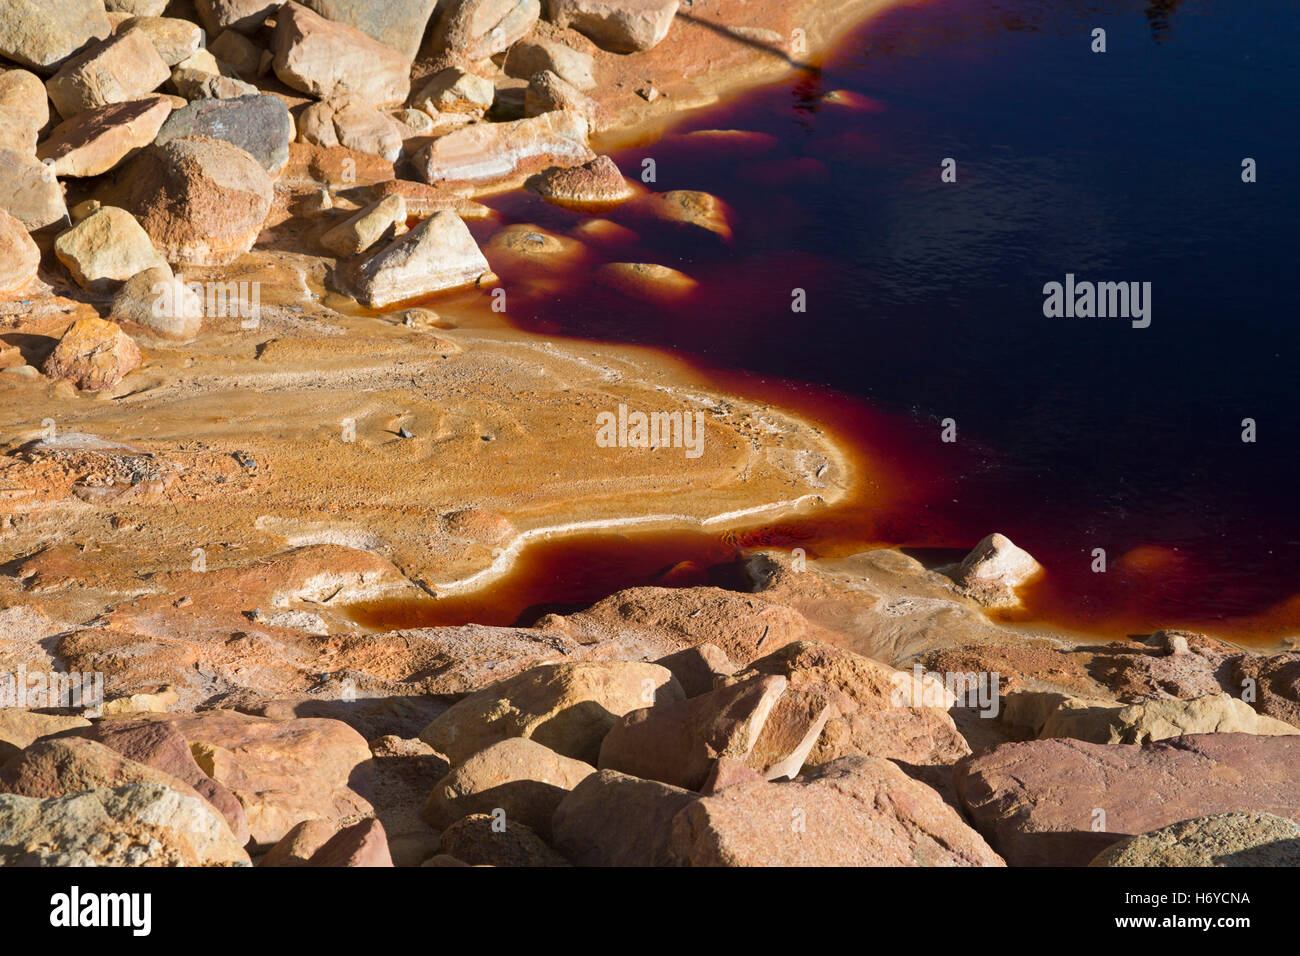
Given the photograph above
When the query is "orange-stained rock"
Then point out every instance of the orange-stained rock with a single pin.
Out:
(93, 354)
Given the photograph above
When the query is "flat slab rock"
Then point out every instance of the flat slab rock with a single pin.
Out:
(1037, 802)
(856, 811)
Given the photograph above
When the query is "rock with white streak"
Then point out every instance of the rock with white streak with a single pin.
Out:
(498, 155)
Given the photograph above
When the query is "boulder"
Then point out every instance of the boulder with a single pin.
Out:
(480, 840)
(619, 26)
(281, 771)
(30, 191)
(698, 668)
(677, 742)
(1061, 802)
(20, 258)
(96, 141)
(612, 819)
(597, 183)
(238, 53)
(546, 93)
(24, 109)
(469, 31)
(161, 747)
(19, 729)
(362, 844)
(41, 34)
(93, 354)
(244, 16)
(60, 766)
(400, 25)
(877, 710)
(160, 302)
(1158, 720)
(135, 825)
(327, 59)
(535, 54)
(379, 221)
(455, 91)
(437, 254)
(297, 847)
(105, 249)
(789, 734)
(124, 67)
(173, 38)
(259, 125)
(353, 123)
(1223, 839)
(502, 154)
(994, 569)
(1274, 681)
(567, 707)
(201, 200)
(855, 811)
(518, 776)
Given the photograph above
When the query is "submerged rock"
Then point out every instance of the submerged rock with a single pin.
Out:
(596, 183)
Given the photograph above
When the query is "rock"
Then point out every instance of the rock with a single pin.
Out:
(135, 825)
(124, 67)
(1137, 671)
(362, 844)
(29, 191)
(474, 840)
(378, 221)
(453, 90)
(856, 811)
(547, 92)
(136, 8)
(162, 303)
(244, 16)
(727, 773)
(876, 714)
(473, 30)
(97, 140)
(105, 249)
(423, 201)
(201, 200)
(60, 766)
(690, 207)
(161, 747)
(19, 256)
(697, 668)
(567, 707)
(500, 154)
(535, 54)
(93, 354)
(1038, 802)
(297, 847)
(1275, 681)
(328, 59)
(1157, 720)
(619, 26)
(789, 734)
(442, 859)
(19, 729)
(281, 771)
(518, 776)
(417, 121)
(41, 34)
(238, 52)
(646, 280)
(398, 25)
(352, 123)
(994, 569)
(612, 819)
(173, 38)
(1224, 839)
(24, 109)
(597, 183)
(437, 254)
(677, 742)
(259, 125)
(201, 77)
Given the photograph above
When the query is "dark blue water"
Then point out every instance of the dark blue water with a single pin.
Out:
(925, 298)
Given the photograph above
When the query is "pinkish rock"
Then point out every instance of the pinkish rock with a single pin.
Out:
(727, 773)
(472, 30)
(327, 59)
(612, 819)
(93, 354)
(856, 811)
(1275, 681)
(1061, 802)
(484, 840)
(502, 154)
(697, 668)
(362, 844)
(677, 742)
(97, 140)
(620, 26)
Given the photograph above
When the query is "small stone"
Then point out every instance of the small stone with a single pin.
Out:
(385, 218)
(162, 303)
(351, 122)
(470, 31)
(483, 840)
(237, 51)
(547, 92)
(994, 569)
